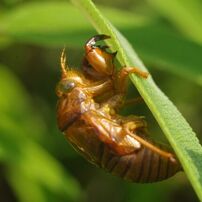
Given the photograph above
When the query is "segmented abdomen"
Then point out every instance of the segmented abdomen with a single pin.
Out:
(144, 165)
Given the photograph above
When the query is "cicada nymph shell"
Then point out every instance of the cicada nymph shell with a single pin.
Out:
(87, 114)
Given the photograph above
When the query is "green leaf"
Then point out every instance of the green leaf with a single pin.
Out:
(185, 15)
(175, 127)
(161, 48)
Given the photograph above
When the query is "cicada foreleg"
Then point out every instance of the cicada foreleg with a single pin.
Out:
(98, 88)
(97, 62)
(89, 71)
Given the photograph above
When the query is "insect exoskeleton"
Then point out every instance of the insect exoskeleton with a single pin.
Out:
(111, 141)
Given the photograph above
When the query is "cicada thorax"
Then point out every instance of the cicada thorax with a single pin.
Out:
(71, 106)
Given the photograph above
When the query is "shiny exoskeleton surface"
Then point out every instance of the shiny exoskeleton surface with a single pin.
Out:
(117, 143)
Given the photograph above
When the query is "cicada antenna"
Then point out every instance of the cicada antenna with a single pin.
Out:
(64, 66)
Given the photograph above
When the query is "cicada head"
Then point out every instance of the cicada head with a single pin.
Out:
(69, 79)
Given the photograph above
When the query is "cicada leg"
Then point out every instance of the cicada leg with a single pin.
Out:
(113, 104)
(97, 61)
(121, 77)
(133, 122)
(132, 126)
(99, 87)
(118, 101)
(89, 71)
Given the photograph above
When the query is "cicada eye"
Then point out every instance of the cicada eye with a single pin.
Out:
(66, 86)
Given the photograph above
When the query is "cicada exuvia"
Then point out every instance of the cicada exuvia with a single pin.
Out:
(117, 143)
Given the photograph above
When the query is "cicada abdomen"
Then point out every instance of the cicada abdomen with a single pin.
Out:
(143, 165)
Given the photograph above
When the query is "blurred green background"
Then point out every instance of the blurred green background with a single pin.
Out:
(36, 163)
